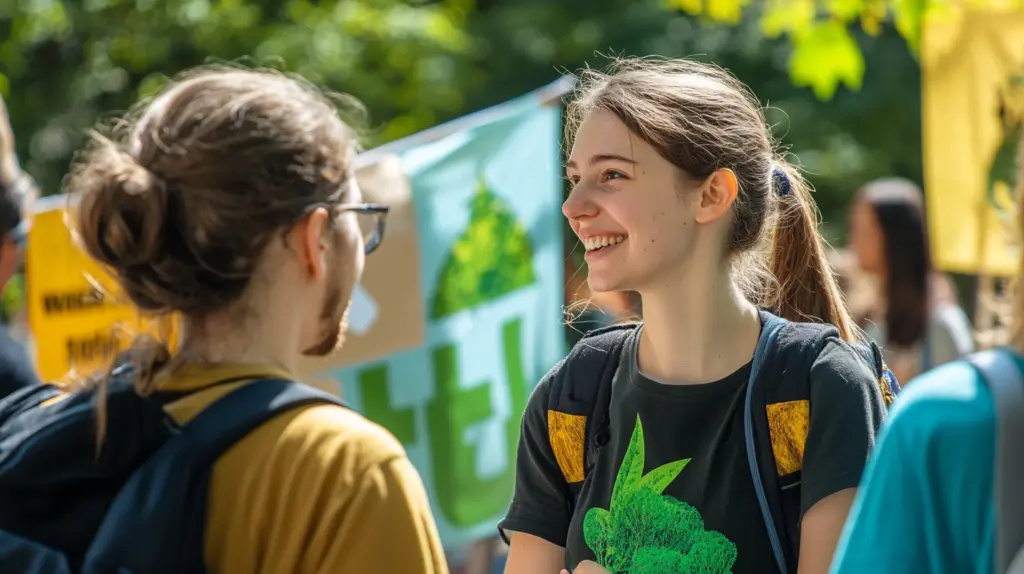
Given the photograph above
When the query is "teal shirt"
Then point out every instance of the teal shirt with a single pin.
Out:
(925, 503)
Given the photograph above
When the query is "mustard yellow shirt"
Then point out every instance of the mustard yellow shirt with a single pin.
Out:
(319, 489)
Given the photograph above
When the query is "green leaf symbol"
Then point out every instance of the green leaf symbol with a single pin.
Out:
(632, 469)
(647, 532)
(659, 478)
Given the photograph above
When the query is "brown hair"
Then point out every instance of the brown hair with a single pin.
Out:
(898, 206)
(181, 200)
(701, 118)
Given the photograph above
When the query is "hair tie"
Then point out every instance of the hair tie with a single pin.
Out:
(782, 185)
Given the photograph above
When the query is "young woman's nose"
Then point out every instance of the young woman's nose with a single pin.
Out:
(579, 204)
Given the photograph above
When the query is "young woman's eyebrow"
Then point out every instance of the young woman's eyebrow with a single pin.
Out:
(598, 158)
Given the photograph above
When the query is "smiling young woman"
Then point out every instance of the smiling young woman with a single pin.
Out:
(679, 194)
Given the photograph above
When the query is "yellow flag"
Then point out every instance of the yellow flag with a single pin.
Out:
(973, 106)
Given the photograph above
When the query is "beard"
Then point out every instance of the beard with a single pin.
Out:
(333, 320)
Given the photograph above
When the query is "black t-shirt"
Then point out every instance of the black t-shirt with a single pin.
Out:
(671, 491)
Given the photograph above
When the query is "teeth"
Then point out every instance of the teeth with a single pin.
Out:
(592, 243)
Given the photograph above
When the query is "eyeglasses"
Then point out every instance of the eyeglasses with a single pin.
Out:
(371, 222)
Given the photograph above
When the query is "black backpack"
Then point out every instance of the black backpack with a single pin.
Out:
(136, 506)
(779, 374)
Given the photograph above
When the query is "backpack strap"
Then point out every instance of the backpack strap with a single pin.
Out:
(159, 517)
(776, 421)
(582, 391)
(999, 371)
(771, 325)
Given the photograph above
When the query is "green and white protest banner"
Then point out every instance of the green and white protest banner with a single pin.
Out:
(461, 307)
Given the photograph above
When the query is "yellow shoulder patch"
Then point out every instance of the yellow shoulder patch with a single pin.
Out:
(567, 434)
(787, 424)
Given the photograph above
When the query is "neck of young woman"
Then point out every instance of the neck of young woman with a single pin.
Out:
(697, 329)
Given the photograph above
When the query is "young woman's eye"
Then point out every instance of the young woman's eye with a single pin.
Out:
(611, 175)
(572, 179)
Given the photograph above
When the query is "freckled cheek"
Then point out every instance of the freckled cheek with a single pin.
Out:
(658, 231)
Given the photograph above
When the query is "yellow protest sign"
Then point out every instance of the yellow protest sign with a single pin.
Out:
(74, 307)
(973, 109)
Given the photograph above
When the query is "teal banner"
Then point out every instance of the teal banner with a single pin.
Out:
(486, 208)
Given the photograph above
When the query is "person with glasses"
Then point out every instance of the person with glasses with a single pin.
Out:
(17, 190)
(231, 203)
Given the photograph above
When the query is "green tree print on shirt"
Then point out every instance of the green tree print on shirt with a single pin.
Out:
(646, 532)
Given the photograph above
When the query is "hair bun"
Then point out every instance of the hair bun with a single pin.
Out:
(122, 209)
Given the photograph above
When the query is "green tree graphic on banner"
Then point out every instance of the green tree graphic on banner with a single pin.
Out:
(492, 258)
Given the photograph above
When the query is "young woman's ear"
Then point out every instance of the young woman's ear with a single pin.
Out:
(717, 194)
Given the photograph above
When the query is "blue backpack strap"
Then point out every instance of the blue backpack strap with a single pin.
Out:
(999, 371)
(771, 325)
(780, 373)
(157, 522)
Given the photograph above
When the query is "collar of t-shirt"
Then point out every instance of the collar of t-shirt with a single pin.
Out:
(206, 383)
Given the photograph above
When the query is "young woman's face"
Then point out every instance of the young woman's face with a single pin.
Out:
(626, 206)
(866, 239)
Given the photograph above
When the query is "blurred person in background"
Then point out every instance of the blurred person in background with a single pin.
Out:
(230, 201)
(17, 191)
(915, 316)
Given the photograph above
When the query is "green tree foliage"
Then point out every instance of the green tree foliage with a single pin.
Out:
(825, 52)
(416, 63)
(646, 532)
(65, 62)
(492, 258)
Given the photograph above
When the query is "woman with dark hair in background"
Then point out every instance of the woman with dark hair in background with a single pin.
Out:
(915, 317)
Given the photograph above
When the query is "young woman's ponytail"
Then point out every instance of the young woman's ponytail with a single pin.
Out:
(807, 289)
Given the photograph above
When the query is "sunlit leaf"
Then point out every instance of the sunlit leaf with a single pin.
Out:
(824, 56)
(727, 11)
(907, 16)
(723, 11)
(786, 16)
(872, 17)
